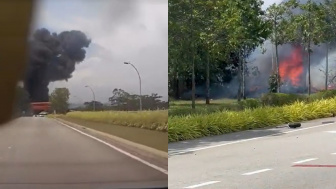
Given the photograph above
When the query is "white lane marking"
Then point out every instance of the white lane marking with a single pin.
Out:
(120, 150)
(258, 171)
(333, 153)
(305, 160)
(214, 146)
(313, 127)
(202, 184)
(331, 131)
(240, 141)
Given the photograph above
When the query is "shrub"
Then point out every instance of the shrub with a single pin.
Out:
(250, 103)
(280, 99)
(325, 94)
(195, 126)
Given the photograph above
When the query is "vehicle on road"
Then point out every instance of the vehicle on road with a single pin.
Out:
(43, 114)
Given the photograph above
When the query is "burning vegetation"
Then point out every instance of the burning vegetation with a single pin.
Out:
(291, 67)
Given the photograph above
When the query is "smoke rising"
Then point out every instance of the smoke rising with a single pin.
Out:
(293, 66)
(52, 57)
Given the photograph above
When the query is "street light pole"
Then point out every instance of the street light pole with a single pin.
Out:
(94, 98)
(139, 82)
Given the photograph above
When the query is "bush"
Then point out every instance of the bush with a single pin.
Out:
(250, 103)
(195, 126)
(179, 110)
(280, 99)
(325, 94)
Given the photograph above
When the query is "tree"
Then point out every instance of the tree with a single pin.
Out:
(329, 34)
(89, 105)
(122, 100)
(211, 36)
(277, 16)
(59, 100)
(247, 29)
(179, 44)
(306, 29)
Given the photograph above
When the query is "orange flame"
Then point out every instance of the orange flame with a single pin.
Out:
(291, 68)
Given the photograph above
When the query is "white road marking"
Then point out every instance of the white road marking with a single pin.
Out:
(214, 146)
(313, 127)
(258, 171)
(202, 184)
(241, 141)
(331, 131)
(119, 150)
(333, 153)
(305, 160)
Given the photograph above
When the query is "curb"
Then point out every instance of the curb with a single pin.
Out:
(139, 148)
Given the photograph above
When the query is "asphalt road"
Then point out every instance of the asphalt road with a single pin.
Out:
(258, 159)
(40, 153)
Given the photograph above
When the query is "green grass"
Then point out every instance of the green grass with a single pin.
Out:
(184, 126)
(178, 108)
(150, 138)
(146, 127)
(152, 120)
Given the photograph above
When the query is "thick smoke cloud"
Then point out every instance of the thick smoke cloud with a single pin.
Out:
(52, 57)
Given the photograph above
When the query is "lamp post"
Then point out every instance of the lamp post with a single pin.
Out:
(94, 97)
(139, 82)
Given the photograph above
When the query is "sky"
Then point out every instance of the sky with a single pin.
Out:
(267, 3)
(134, 31)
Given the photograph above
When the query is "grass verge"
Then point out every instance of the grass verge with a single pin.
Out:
(183, 108)
(152, 120)
(187, 127)
(151, 138)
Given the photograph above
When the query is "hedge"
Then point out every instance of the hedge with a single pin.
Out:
(196, 126)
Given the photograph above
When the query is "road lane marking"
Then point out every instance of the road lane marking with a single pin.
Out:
(258, 171)
(331, 132)
(214, 146)
(305, 160)
(241, 141)
(119, 150)
(328, 166)
(333, 153)
(313, 127)
(202, 184)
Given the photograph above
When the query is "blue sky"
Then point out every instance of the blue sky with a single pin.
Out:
(121, 30)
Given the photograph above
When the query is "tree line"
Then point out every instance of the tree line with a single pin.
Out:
(210, 40)
(124, 101)
(120, 101)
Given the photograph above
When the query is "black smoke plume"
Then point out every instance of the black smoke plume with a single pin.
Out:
(52, 57)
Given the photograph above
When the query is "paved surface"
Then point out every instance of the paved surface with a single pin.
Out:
(40, 153)
(259, 159)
